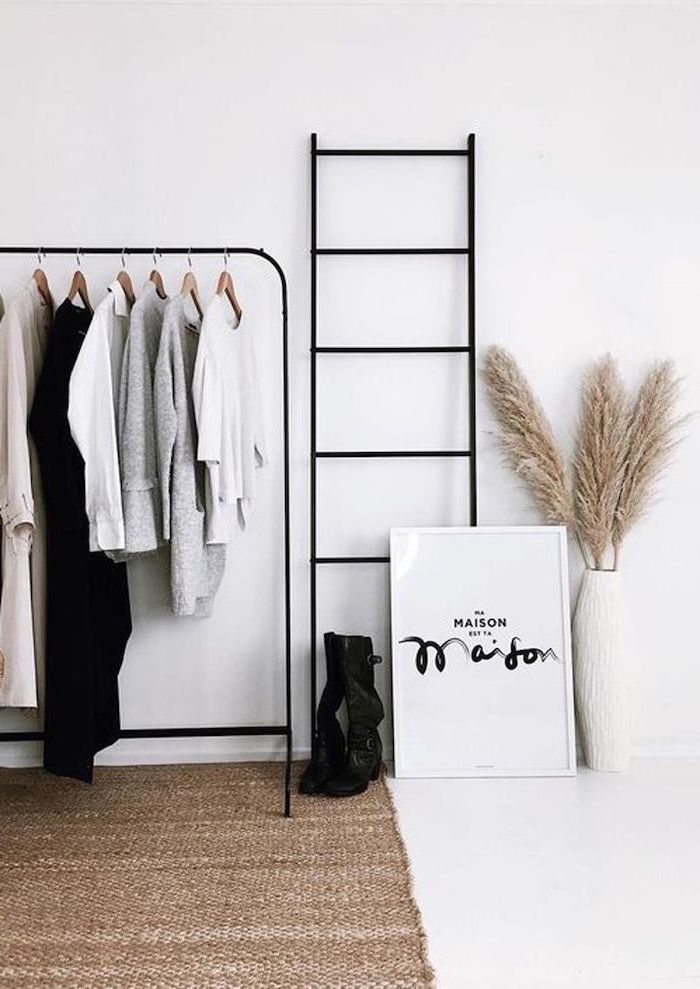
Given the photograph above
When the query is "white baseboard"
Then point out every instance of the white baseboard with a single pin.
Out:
(158, 751)
(667, 750)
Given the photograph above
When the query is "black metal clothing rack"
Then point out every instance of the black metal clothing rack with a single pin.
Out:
(469, 251)
(227, 730)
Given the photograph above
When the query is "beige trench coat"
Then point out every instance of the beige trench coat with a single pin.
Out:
(23, 336)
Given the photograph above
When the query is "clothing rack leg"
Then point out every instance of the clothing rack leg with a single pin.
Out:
(287, 547)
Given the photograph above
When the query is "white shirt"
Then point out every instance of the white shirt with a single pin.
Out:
(226, 401)
(92, 411)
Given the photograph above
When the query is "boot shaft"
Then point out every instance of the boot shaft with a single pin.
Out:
(333, 692)
(328, 751)
(356, 661)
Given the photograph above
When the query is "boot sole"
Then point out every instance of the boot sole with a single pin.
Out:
(350, 793)
(376, 774)
(311, 790)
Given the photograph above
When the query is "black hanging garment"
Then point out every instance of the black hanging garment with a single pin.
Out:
(88, 615)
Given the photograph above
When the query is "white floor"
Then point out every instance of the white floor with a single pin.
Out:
(592, 881)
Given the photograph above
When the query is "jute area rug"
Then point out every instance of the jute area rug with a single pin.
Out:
(188, 877)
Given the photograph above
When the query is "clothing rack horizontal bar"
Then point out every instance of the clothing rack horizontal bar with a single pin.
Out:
(135, 250)
(233, 731)
(396, 152)
(212, 732)
(392, 453)
(390, 250)
(349, 559)
(390, 350)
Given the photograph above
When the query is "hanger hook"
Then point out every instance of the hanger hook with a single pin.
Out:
(39, 252)
(189, 256)
(155, 261)
(123, 258)
(77, 256)
(226, 257)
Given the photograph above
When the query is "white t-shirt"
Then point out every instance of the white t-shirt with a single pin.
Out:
(227, 406)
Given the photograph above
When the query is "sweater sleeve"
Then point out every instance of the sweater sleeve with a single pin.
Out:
(135, 410)
(91, 416)
(122, 414)
(165, 418)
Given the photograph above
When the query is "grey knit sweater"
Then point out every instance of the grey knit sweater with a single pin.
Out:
(195, 568)
(143, 528)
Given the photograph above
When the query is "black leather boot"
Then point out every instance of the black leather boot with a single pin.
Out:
(328, 755)
(365, 713)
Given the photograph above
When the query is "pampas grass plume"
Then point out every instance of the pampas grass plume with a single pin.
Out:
(527, 437)
(621, 450)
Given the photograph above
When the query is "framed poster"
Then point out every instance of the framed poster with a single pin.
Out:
(481, 652)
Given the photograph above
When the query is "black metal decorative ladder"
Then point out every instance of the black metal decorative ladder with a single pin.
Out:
(469, 251)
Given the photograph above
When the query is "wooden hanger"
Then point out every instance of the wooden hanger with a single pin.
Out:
(42, 283)
(156, 277)
(225, 286)
(124, 280)
(79, 286)
(190, 287)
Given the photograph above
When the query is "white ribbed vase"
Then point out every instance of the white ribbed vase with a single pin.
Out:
(601, 674)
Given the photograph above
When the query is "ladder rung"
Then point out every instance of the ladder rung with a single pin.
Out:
(390, 250)
(350, 559)
(399, 152)
(392, 453)
(390, 350)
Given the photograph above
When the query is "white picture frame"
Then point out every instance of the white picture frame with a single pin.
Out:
(505, 708)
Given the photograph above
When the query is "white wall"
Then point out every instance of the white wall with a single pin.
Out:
(153, 123)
